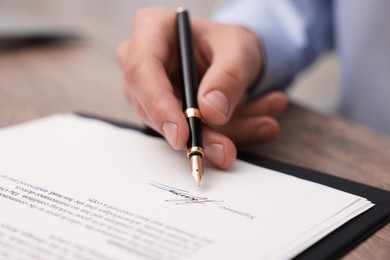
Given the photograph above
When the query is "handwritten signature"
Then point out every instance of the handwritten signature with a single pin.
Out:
(186, 197)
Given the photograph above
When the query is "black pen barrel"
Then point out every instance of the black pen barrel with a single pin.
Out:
(187, 60)
(189, 80)
(189, 94)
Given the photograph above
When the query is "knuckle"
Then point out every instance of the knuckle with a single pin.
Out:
(153, 108)
(138, 109)
(234, 81)
(233, 73)
(132, 69)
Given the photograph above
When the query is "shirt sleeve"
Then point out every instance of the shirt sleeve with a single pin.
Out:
(292, 32)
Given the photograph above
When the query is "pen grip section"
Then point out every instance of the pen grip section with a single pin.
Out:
(195, 138)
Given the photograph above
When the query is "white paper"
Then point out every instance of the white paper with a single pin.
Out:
(76, 188)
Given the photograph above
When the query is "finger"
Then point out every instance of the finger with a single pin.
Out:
(219, 149)
(153, 91)
(153, 34)
(136, 105)
(272, 104)
(247, 130)
(146, 74)
(234, 67)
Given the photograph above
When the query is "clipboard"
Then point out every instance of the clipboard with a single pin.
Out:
(343, 239)
(349, 235)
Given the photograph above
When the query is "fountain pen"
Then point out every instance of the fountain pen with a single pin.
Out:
(189, 94)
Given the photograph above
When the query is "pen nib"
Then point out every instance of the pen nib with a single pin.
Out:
(196, 168)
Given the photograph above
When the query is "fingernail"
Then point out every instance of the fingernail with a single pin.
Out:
(215, 153)
(264, 131)
(219, 101)
(170, 133)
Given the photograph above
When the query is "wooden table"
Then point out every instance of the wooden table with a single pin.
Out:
(83, 76)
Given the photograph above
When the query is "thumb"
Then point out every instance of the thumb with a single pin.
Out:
(235, 65)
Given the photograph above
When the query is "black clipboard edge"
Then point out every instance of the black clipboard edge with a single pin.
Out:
(343, 239)
(352, 233)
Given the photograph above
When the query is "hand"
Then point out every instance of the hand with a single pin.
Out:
(228, 60)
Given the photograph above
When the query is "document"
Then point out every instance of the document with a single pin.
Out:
(78, 188)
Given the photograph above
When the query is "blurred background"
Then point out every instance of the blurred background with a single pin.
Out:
(105, 23)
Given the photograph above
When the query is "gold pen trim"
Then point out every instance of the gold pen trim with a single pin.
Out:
(195, 150)
(192, 112)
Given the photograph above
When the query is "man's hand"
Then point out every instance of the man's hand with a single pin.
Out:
(228, 61)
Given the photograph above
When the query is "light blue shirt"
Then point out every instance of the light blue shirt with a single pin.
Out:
(296, 32)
